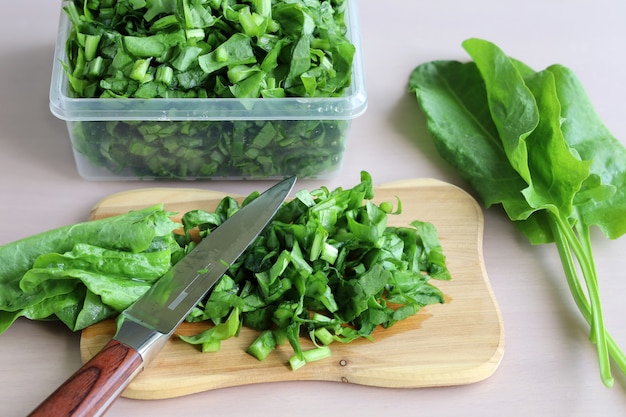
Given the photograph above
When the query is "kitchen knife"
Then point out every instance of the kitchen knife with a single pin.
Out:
(144, 327)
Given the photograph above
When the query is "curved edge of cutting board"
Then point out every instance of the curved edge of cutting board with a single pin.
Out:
(459, 342)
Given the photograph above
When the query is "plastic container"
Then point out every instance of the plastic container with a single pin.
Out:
(213, 138)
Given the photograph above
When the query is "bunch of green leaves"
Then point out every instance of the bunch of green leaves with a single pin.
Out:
(327, 266)
(208, 48)
(532, 142)
(84, 273)
(206, 149)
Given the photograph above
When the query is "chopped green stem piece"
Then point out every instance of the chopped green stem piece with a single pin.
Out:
(165, 75)
(321, 318)
(91, 46)
(296, 363)
(96, 66)
(323, 336)
(309, 356)
(140, 69)
(262, 345)
(213, 345)
(316, 354)
(195, 34)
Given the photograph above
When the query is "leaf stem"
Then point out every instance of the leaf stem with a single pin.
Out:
(567, 243)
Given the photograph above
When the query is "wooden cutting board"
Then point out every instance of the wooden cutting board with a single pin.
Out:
(459, 342)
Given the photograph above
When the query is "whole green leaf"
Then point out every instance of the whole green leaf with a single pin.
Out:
(514, 95)
(142, 266)
(587, 134)
(557, 173)
(511, 104)
(115, 291)
(454, 99)
(84, 312)
(134, 232)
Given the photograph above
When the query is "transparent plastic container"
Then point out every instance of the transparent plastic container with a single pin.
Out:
(208, 138)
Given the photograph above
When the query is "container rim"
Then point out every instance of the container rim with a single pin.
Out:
(349, 106)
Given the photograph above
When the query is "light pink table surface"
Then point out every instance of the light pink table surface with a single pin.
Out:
(549, 367)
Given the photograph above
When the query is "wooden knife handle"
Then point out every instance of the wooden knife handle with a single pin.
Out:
(94, 387)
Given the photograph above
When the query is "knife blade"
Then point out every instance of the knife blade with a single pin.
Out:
(144, 327)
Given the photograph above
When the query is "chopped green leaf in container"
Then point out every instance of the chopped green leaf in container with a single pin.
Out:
(203, 89)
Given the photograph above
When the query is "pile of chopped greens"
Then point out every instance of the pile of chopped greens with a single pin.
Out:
(169, 49)
(328, 267)
(532, 142)
(208, 48)
(210, 149)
